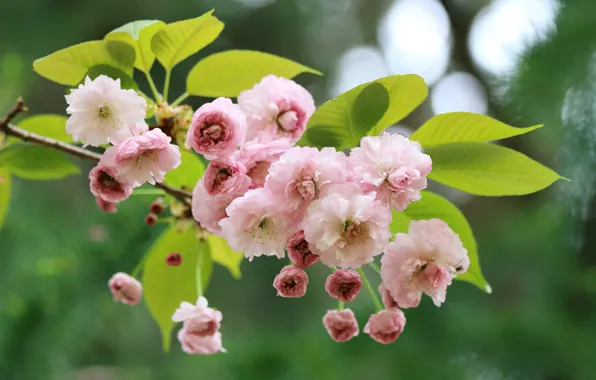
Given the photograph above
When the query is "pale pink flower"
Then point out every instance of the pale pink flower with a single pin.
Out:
(386, 297)
(144, 158)
(291, 282)
(125, 288)
(200, 345)
(209, 210)
(386, 326)
(217, 129)
(104, 183)
(423, 261)
(343, 285)
(106, 206)
(341, 325)
(299, 251)
(199, 319)
(225, 177)
(393, 166)
(347, 228)
(257, 157)
(301, 174)
(100, 111)
(276, 108)
(256, 226)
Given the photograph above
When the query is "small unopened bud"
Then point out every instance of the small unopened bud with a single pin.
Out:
(386, 326)
(157, 206)
(125, 288)
(341, 324)
(343, 285)
(150, 219)
(291, 282)
(174, 259)
(106, 206)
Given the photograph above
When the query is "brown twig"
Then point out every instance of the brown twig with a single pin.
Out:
(11, 130)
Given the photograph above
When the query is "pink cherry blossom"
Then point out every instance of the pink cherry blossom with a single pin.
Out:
(199, 319)
(393, 166)
(423, 261)
(125, 288)
(258, 156)
(106, 206)
(343, 285)
(225, 177)
(144, 158)
(291, 282)
(209, 210)
(276, 108)
(200, 345)
(301, 174)
(347, 228)
(386, 326)
(386, 297)
(217, 129)
(256, 226)
(299, 251)
(341, 325)
(104, 183)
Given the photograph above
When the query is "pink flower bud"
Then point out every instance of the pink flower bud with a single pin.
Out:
(225, 177)
(106, 206)
(103, 183)
(156, 206)
(386, 325)
(199, 319)
(299, 251)
(125, 288)
(150, 219)
(341, 324)
(174, 259)
(200, 345)
(388, 300)
(343, 285)
(291, 282)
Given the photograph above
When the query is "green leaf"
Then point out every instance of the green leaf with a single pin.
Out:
(369, 107)
(489, 170)
(4, 194)
(230, 72)
(69, 66)
(138, 34)
(434, 206)
(177, 41)
(406, 92)
(188, 173)
(166, 286)
(222, 254)
(465, 127)
(126, 80)
(48, 125)
(35, 162)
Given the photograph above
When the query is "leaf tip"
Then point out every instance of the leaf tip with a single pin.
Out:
(488, 289)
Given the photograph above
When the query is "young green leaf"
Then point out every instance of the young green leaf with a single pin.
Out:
(489, 170)
(188, 173)
(369, 107)
(166, 286)
(69, 66)
(434, 206)
(48, 125)
(465, 127)
(230, 72)
(35, 162)
(222, 254)
(4, 194)
(138, 34)
(177, 41)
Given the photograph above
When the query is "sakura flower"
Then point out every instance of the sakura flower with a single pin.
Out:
(257, 157)
(341, 325)
(276, 108)
(198, 345)
(423, 261)
(199, 319)
(291, 282)
(100, 111)
(386, 297)
(301, 174)
(256, 226)
(343, 285)
(125, 288)
(393, 166)
(209, 210)
(225, 177)
(299, 251)
(217, 129)
(106, 206)
(347, 228)
(144, 158)
(386, 326)
(104, 183)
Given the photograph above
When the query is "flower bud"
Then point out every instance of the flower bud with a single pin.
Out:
(150, 219)
(341, 324)
(291, 282)
(197, 345)
(156, 206)
(299, 251)
(125, 288)
(174, 259)
(106, 206)
(386, 325)
(343, 285)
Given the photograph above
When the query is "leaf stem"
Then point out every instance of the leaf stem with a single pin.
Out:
(148, 192)
(180, 99)
(198, 279)
(152, 85)
(372, 293)
(374, 266)
(166, 85)
(340, 306)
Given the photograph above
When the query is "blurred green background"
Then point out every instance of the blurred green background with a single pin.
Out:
(523, 61)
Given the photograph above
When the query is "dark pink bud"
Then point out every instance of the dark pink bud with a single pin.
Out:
(291, 282)
(106, 206)
(299, 251)
(341, 324)
(156, 206)
(386, 325)
(150, 219)
(388, 300)
(343, 285)
(125, 288)
(174, 259)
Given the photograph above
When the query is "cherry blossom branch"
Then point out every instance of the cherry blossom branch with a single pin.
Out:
(11, 130)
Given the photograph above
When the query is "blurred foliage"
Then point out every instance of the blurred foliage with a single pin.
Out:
(57, 250)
